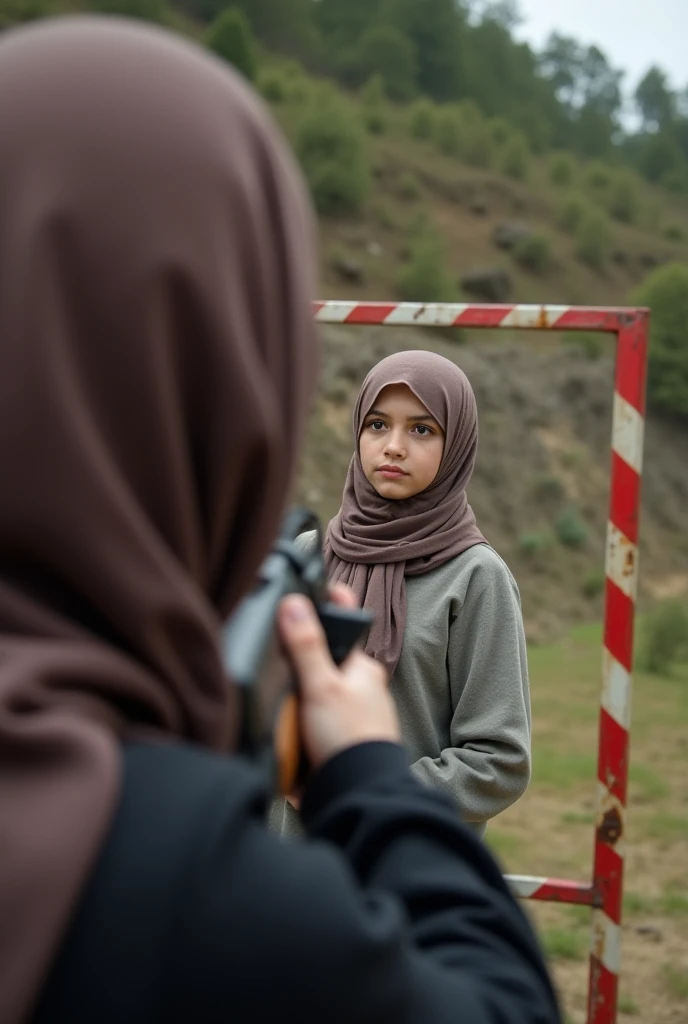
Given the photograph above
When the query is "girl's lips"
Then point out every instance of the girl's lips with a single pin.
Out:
(391, 472)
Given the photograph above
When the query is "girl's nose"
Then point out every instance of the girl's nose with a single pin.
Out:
(395, 444)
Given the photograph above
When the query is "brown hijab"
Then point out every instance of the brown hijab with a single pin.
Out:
(372, 544)
(157, 356)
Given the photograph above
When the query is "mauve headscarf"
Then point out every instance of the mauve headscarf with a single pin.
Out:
(157, 356)
(372, 544)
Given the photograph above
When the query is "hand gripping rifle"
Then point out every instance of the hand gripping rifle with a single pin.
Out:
(256, 662)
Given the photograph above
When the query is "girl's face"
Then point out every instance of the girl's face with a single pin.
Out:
(401, 444)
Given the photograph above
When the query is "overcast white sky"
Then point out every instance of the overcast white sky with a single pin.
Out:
(634, 34)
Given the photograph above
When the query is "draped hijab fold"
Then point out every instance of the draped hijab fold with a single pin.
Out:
(157, 357)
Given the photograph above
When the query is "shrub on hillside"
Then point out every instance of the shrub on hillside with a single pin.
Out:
(571, 212)
(534, 253)
(562, 170)
(500, 129)
(665, 639)
(665, 291)
(331, 147)
(424, 277)
(623, 197)
(373, 105)
(273, 87)
(571, 530)
(409, 187)
(592, 240)
(590, 344)
(598, 177)
(676, 181)
(477, 146)
(230, 37)
(448, 131)
(515, 162)
(674, 233)
(593, 583)
(422, 120)
(385, 51)
(532, 543)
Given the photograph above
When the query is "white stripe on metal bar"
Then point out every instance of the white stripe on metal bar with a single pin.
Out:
(621, 563)
(606, 941)
(616, 690)
(627, 433)
(524, 885)
(430, 314)
(534, 316)
(335, 312)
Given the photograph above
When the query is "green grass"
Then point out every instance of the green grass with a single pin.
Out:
(628, 1005)
(666, 826)
(635, 903)
(560, 770)
(676, 981)
(504, 845)
(647, 784)
(564, 944)
(672, 903)
(578, 818)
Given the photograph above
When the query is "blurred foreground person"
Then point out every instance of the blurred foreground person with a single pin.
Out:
(156, 363)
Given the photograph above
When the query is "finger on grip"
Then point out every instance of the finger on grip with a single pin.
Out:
(305, 640)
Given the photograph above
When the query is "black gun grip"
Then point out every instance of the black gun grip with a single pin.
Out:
(344, 628)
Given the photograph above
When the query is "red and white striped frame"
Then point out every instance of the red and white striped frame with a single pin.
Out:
(605, 890)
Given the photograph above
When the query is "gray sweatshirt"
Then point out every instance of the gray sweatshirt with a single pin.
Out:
(461, 687)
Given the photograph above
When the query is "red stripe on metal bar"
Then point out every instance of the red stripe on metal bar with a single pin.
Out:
(602, 994)
(483, 316)
(618, 624)
(631, 360)
(370, 312)
(559, 890)
(624, 498)
(612, 768)
(608, 876)
(583, 319)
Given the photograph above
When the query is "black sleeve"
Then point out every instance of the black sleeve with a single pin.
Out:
(401, 916)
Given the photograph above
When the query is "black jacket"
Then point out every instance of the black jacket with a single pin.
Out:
(195, 913)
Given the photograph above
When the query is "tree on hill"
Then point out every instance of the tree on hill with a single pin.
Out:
(655, 101)
(384, 51)
(665, 291)
(230, 37)
(436, 29)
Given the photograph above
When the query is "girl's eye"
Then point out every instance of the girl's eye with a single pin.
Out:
(376, 425)
(423, 431)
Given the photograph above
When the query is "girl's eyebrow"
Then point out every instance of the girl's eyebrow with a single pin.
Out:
(413, 419)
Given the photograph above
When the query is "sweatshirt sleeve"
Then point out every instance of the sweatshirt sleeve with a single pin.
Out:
(392, 913)
(488, 765)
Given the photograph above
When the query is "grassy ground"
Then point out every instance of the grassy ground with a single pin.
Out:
(550, 832)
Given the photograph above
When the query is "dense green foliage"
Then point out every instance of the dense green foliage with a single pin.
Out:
(424, 277)
(665, 639)
(534, 253)
(567, 97)
(331, 147)
(666, 293)
(229, 37)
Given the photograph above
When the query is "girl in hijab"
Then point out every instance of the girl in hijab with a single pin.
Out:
(156, 364)
(448, 626)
